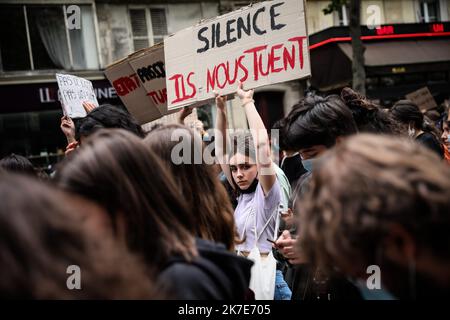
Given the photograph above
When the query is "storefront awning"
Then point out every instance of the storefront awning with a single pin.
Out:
(331, 65)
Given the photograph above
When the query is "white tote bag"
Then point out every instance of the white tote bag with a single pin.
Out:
(263, 272)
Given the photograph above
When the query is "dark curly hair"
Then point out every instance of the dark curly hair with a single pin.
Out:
(316, 120)
(368, 116)
(107, 116)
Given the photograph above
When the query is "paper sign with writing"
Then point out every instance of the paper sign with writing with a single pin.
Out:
(131, 90)
(262, 44)
(422, 98)
(73, 91)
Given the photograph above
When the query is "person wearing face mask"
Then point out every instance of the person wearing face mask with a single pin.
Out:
(408, 113)
(314, 125)
(378, 210)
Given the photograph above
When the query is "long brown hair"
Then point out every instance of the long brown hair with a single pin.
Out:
(42, 234)
(115, 169)
(204, 195)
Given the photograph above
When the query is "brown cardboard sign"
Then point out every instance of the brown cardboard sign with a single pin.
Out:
(422, 98)
(139, 81)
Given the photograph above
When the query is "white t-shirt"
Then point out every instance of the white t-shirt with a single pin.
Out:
(257, 208)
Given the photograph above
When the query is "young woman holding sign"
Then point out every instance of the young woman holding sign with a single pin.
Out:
(250, 171)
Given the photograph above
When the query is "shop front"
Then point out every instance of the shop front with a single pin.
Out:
(30, 116)
(399, 59)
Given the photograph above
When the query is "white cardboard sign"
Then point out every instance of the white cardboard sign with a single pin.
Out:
(73, 91)
(261, 44)
(145, 99)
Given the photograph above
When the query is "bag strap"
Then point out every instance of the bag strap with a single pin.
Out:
(257, 237)
(277, 224)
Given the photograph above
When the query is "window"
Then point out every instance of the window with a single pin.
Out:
(13, 42)
(148, 26)
(139, 29)
(159, 24)
(35, 37)
(429, 11)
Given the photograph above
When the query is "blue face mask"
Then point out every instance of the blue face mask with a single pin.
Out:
(308, 164)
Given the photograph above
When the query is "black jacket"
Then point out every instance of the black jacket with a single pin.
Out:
(431, 142)
(216, 274)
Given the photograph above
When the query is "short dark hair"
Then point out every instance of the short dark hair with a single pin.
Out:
(108, 116)
(17, 163)
(317, 120)
(407, 111)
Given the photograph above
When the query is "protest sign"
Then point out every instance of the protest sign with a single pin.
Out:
(142, 99)
(261, 44)
(73, 91)
(151, 72)
(422, 98)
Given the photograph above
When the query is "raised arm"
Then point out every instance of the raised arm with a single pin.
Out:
(68, 128)
(266, 171)
(221, 148)
(183, 113)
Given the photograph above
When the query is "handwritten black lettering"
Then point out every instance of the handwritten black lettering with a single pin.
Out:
(273, 15)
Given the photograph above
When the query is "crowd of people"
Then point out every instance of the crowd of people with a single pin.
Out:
(358, 208)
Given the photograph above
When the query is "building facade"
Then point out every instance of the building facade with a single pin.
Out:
(39, 38)
(390, 12)
(407, 47)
